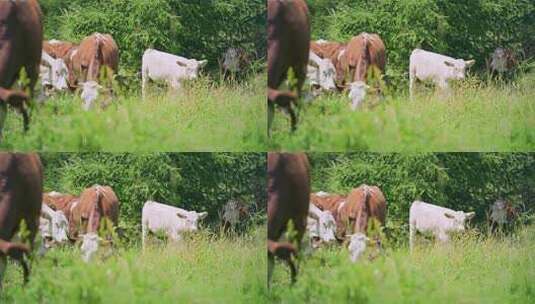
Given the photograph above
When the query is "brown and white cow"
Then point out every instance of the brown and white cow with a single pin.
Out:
(58, 49)
(288, 47)
(21, 187)
(86, 60)
(21, 37)
(288, 201)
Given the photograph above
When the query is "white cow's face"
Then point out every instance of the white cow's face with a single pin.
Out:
(458, 67)
(357, 93)
(357, 246)
(192, 67)
(459, 219)
(191, 219)
(90, 91)
(89, 246)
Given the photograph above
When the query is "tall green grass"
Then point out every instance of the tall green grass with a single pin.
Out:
(474, 118)
(471, 269)
(202, 117)
(201, 269)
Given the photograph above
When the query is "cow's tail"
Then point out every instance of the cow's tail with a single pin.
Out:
(96, 213)
(367, 194)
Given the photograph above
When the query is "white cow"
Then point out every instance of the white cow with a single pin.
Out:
(168, 219)
(321, 226)
(90, 245)
(321, 73)
(53, 72)
(90, 92)
(53, 225)
(435, 67)
(424, 217)
(172, 69)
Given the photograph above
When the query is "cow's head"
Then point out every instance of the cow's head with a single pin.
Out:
(357, 245)
(321, 73)
(192, 67)
(90, 244)
(458, 219)
(457, 67)
(54, 72)
(191, 219)
(90, 92)
(357, 93)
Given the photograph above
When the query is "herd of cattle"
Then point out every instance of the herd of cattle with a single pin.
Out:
(337, 66)
(88, 219)
(87, 67)
(344, 219)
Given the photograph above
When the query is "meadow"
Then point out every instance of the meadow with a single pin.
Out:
(204, 116)
(477, 116)
(473, 268)
(204, 268)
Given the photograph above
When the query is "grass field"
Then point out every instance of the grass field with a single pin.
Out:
(476, 117)
(202, 117)
(203, 269)
(471, 269)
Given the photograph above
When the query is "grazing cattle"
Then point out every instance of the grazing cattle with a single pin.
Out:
(58, 49)
(160, 66)
(439, 221)
(235, 61)
(288, 201)
(21, 37)
(60, 202)
(53, 73)
(357, 245)
(288, 47)
(96, 205)
(502, 61)
(362, 205)
(172, 221)
(86, 61)
(321, 73)
(435, 67)
(21, 188)
(321, 226)
(336, 52)
(232, 213)
(53, 226)
(502, 214)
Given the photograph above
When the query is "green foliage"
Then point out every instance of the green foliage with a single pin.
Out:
(193, 181)
(201, 269)
(461, 181)
(203, 116)
(476, 117)
(472, 269)
(462, 29)
(194, 29)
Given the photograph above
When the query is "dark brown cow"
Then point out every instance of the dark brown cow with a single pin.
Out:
(21, 188)
(94, 52)
(363, 52)
(95, 203)
(21, 37)
(58, 49)
(288, 200)
(288, 47)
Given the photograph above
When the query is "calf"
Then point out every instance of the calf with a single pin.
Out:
(502, 213)
(502, 61)
(424, 217)
(288, 200)
(172, 69)
(321, 226)
(438, 68)
(21, 188)
(21, 37)
(171, 220)
(234, 62)
(232, 213)
(288, 47)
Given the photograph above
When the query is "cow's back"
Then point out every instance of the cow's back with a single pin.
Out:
(288, 192)
(58, 49)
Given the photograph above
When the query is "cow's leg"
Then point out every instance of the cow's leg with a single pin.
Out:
(3, 265)
(3, 114)
(144, 83)
(412, 79)
(412, 235)
(271, 114)
(144, 233)
(271, 264)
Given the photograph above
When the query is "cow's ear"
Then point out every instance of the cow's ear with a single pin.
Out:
(470, 63)
(203, 63)
(203, 215)
(449, 63)
(449, 215)
(182, 64)
(180, 215)
(470, 215)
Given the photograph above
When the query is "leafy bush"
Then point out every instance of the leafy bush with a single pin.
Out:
(194, 29)
(462, 29)
(193, 181)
